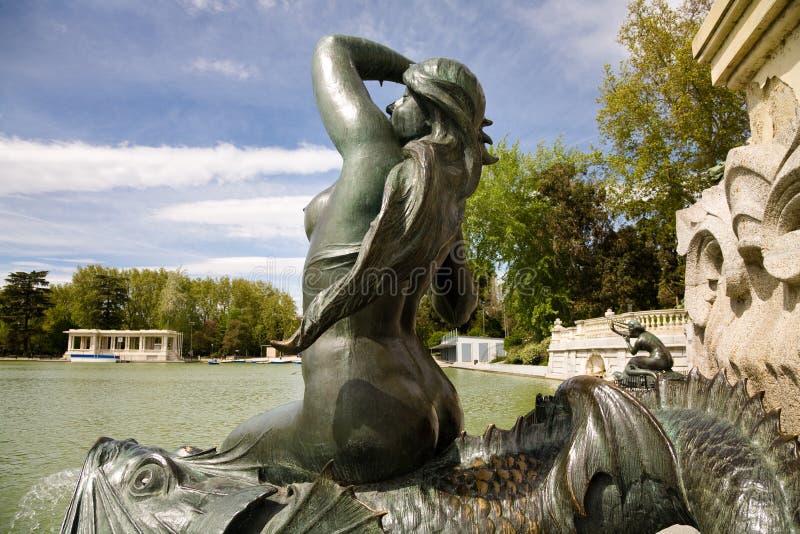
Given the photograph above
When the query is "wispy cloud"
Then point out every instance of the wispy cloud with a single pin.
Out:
(583, 33)
(35, 167)
(226, 67)
(264, 217)
(213, 6)
(285, 274)
(252, 267)
(81, 261)
(25, 235)
(32, 264)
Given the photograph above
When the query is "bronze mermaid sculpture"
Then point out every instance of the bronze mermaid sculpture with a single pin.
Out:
(375, 401)
(379, 414)
(658, 359)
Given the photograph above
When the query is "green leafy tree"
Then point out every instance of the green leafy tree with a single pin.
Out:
(232, 342)
(144, 289)
(207, 338)
(216, 314)
(24, 300)
(175, 305)
(629, 272)
(542, 221)
(57, 319)
(430, 328)
(664, 124)
(100, 297)
(278, 317)
(537, 218)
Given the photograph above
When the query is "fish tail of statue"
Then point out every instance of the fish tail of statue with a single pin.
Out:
(721, 433)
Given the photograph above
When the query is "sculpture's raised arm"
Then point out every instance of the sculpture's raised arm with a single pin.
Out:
(341, 64)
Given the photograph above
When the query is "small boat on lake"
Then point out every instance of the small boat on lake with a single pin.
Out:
(213, 361)
(94, 358)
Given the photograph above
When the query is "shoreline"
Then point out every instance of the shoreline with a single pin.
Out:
(530, 371)
(32, 359)
(285, 359)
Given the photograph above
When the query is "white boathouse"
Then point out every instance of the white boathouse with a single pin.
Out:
(467, 349)
(91, 345)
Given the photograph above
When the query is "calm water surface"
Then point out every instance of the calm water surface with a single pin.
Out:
(53, 413)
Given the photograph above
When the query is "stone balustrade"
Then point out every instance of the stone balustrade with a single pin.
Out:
(656, 321)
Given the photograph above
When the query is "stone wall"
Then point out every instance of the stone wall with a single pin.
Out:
(742, 238)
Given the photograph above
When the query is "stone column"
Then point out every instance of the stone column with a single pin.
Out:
(742, 238)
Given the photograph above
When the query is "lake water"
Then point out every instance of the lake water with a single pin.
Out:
(53, 413)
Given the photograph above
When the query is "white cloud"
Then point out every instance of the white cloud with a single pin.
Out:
(56, 274)
(583, 33)
(82, 261)
(25, 236)
(34, 167)
(250, 267)
(23, 232)
(226, 67)
(285, 274)
(213, 6)
(262, 217)
(32, 264)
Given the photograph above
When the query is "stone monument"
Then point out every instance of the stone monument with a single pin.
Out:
(742, 238)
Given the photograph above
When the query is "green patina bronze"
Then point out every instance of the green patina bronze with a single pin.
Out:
(642, 369)
(376, 444)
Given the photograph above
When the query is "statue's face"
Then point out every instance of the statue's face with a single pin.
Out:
(408, 118)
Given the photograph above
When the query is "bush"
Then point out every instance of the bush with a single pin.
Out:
(435, 338)
(530, 353)
(514, 339)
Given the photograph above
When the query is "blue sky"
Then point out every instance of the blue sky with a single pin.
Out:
(184, 133)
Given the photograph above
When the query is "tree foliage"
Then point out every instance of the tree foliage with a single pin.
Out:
(23, 302)
(664, 125)
(541, 221)
(100, 297)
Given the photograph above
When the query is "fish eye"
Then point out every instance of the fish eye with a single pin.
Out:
(149, 478)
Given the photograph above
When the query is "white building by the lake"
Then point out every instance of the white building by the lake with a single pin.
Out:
(467, 349)
(92, 345)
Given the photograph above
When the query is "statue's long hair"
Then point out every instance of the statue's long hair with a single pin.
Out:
(453, 99)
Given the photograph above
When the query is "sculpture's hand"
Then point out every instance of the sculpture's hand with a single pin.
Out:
(340, 66)
(288, 346)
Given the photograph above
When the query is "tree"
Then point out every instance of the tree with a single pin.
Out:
(100, 297)
(537, 219)
(664, 125)
(629, 271)
(541, 220)
(24, 299)
(144, 291)
(430, 327)
(232, 342)
(57, 319)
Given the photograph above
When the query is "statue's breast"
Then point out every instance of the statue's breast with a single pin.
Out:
(314, 210)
